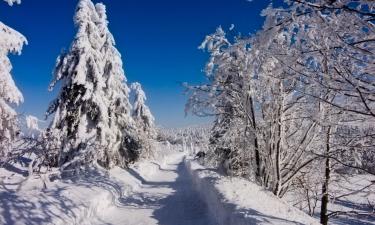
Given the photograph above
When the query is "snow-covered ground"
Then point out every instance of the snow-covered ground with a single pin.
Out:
(151, 192)
(168, 190)
(236, 201)
(163, 196)
(354, 194)
(34, 201)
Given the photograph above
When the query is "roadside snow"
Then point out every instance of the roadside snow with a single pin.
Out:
(166, 190)
(351, 196)
(236, 201)
(163, 196)
(150, 192)
(34, 201)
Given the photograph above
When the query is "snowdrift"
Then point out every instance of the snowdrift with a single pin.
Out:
(236, 201)
(157, 191)
(35, 200)
(83, 199)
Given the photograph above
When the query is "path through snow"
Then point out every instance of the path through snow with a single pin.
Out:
(166, 197)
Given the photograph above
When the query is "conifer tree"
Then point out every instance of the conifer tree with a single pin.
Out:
(141, 112)
(92, 118)
(11, 41)
(124, 144)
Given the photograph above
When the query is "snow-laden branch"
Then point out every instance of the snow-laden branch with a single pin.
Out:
(11, 2)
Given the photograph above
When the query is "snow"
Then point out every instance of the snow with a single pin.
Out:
(11, 2)
(92, 107)
(238, 201)
(141, 112)
(11, 41)
(349, 194)
(164, 196)
(148, 193)
(355, 198)
(30, 201)
(165, 190)
(282, 101)
(32, 122)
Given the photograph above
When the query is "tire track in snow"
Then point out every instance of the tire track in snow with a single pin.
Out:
(165, 197)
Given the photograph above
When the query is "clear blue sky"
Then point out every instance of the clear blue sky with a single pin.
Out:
(158, 41)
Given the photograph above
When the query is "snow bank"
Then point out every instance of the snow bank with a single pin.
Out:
(239, 202)
(80, 200)
(83, 199)
(59, 203)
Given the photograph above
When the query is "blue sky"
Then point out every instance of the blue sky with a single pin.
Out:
(158, 41)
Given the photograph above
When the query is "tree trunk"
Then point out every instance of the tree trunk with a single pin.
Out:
(277, 188)
(258, 174)
(325, 190)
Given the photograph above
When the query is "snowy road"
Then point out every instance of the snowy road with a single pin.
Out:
(166, 197)
(149, 193)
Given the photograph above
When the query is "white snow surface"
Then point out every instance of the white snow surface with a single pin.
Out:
(165, 191)
(236, 201)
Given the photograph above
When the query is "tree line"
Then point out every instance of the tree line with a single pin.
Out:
(294, 104)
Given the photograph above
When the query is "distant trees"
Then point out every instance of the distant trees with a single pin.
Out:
(298, 94)
(11, 41)
(192, 139)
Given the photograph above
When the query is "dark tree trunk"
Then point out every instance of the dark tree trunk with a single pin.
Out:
(278, 152)
(258, 174)
(325, 190)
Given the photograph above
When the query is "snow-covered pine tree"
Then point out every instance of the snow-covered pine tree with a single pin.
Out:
(81, 109)
(124, 144)
(11, 41)
(144, 120)
(141, 112)
(92, 112)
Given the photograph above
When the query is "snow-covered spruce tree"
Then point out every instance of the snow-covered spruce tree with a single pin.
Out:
(11, 41)
(143, 118)
(141, 112)
(125, 144)
(92, 112)
(81, 116)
